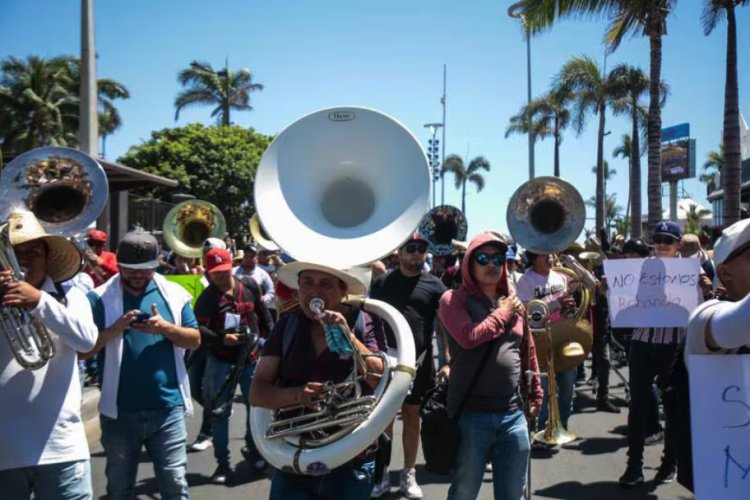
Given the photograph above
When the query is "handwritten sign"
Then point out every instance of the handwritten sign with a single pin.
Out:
(652, 292)
(720, 425)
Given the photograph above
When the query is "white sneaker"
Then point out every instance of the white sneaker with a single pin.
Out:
(488, 467)
(201, 443)
(383, 487)
(409, 486)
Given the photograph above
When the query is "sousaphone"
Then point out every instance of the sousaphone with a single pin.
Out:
(341, 187)
(188, 224)
(260, 236)
(441, 226)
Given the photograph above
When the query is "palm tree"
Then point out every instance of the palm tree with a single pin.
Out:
(694, 219)
(646, 17)
(614, 211)
(713, 11)
(623, 150)
(36, 99)
(714, 163)
(225, 89)
(462, 175)
(634, 84)
(549, 115)
(607, 173)
(593, 93)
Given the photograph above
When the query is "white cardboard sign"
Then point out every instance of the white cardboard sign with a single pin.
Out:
(720, 425)
(652, 292)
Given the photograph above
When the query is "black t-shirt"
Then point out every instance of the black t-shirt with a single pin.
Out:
(417, 298)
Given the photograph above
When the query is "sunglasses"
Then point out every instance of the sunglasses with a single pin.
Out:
(413, 247)
(663, 240)
(483, 259)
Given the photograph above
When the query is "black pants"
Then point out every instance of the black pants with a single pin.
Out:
(648, 361)
(600, 354)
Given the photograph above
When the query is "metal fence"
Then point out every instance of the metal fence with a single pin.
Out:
(148, 213)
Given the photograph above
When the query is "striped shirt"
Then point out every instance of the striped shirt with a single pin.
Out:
(661, 335)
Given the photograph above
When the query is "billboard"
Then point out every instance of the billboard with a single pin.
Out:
(677, 153)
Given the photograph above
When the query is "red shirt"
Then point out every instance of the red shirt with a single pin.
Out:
(107, 269)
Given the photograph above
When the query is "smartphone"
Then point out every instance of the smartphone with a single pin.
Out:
(141, 318)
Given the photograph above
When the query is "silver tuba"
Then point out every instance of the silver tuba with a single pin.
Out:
(66, 190)
(324, 191)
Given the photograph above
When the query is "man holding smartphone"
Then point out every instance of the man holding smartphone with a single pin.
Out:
(145, 323)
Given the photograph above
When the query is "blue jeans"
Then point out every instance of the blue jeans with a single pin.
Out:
(62, 481)
(196, 372)
(500, 438)
(216, 372)
(163, 433)
(566, 383)
(351, 481)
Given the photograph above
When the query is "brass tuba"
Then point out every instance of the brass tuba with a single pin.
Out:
(189, 223)
(545, 215)
(66, 190)
(324, 191)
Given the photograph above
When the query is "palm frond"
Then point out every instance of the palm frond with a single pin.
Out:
(478, 180)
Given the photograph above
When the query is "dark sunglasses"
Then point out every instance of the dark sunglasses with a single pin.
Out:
(663, 240)
(483, 259)
(414, 247)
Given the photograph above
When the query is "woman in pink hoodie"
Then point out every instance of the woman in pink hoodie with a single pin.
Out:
(482, 314)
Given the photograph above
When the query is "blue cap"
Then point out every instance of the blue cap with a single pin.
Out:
(668, 228)
(510, 254)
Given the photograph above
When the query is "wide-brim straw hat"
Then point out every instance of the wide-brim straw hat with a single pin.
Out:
(289, 275)
(63, 257)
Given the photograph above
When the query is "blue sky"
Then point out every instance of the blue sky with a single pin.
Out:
(387, 55)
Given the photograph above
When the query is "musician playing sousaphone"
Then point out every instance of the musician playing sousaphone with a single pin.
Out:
(44, 450)
(306, 350)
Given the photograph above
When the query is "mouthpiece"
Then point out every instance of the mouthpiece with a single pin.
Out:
(316, 305)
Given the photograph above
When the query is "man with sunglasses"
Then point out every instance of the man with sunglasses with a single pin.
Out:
(415, 293)
(101, 264)
(542, 282)
(652, 351)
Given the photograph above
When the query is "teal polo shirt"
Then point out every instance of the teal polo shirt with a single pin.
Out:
(148, 376)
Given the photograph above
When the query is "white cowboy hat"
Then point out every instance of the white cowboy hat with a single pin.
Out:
(289, 275)
(63, 258)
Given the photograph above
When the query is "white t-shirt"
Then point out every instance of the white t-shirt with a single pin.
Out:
(695, 341)
(549, 289)
(40, 410)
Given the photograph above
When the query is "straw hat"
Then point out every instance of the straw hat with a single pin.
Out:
(289, 275)
(63, 258)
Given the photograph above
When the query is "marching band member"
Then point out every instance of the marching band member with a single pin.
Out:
(228, 305)
(542, 282)
(484, 314)
(44, 451)
(249, 267)
(103, 264)
(297, 360)
(415, 293)
(145, 324)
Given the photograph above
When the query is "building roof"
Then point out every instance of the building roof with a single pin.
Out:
(122, 178)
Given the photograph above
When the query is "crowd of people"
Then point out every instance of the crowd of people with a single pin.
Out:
(153, 349)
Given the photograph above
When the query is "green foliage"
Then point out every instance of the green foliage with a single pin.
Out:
(694, 222)
(463, 174)
(215, 164)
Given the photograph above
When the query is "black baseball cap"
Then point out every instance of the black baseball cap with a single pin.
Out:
(138, 250)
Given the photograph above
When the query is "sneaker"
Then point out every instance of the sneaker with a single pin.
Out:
(539, 445)
(665, 474)
(633, 475)
(654, 438)
(488, 467)
(383, 487)
(254, 458)
(202, 442)
(606, 406)
(222, 474)
(409, 486)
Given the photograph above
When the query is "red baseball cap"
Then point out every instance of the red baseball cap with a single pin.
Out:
(96, 235)
(217, 260)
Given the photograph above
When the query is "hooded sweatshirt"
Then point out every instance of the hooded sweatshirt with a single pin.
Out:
(499, 386)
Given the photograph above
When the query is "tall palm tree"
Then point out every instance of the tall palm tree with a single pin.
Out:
(647, 17)
(594, 92)
(549, 115)
(36, 99)
(225, 89)
(624, 151)
(634, 83)
(713, 12)
(714, 163)
(462, 174)
(694, 220)
(614, 211)
(607, 173)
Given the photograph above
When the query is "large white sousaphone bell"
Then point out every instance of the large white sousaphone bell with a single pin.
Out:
(341, 187)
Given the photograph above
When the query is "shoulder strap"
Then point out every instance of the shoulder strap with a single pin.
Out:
(288, 333)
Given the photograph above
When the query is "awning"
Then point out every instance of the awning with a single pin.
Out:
(122, 178)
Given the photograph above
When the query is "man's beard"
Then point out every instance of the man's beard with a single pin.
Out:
(128, 283)
(412, 267)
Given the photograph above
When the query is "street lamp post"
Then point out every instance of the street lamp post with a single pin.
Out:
(516, 11)
(433, 155)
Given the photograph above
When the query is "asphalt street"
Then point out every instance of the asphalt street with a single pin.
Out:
(585, 469)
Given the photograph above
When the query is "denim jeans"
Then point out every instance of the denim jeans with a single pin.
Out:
(500, 438)
(62, 481)
(163, 433)
(566, 383)
(196, 372)
(216, 372)
(351, 481)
